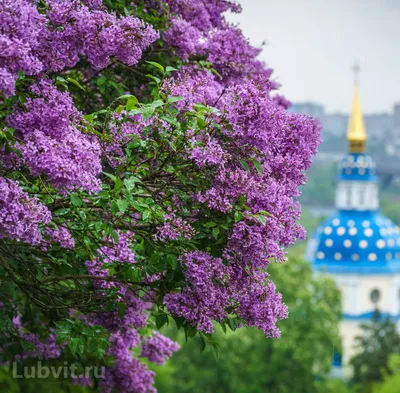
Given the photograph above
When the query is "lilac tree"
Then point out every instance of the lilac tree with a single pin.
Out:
(148, 173)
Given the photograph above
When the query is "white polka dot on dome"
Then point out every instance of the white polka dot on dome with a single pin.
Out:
(351, 223)
(368, 232)
(347, 243)
(341, 231)
(397, 255)
(398, 241)
(338, 256)
(335, 222)
(390, 242)
(320, 255)
(348, 171)
(383, 232)
(388, 222)
(355, 257)
(360, 159)
(328, 230)
(353, 231)
(363, 244)
(329, 242)
(365, 223)
(361, 171)
(388, 256)
(372, 257)
(380, 243)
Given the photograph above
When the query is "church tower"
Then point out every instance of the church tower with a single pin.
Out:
(358, 246)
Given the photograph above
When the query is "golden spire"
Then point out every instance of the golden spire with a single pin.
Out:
(356, 134)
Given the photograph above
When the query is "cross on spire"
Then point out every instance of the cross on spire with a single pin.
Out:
(356, 68)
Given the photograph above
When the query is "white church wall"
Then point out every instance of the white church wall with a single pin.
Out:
(349, 330)
(357, 195)
(356, 291)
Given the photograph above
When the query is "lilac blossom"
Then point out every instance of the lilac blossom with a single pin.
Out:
(20, 215)
(52, 143)
(158, 348)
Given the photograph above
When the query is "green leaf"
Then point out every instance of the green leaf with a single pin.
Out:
(161, 320)
(157, 65)
(114, 207)
(148, 112)
(238, 216)
(121, 310)
(131, 103)
(202, 344)
(260, 218)
(170, 69)
(265, 213)
(175, 99)
(76, 200)
(215, 232)
(146, 215)
(179, 321)
(258, 166)
(170, 120)
(76, 345)
(126, 97)
(157, 103)
(112, 177)
(76, 83)
(201, 122)
(157, 80)
(210, 224)
(130, 183)
(245, 165)
(122, 205)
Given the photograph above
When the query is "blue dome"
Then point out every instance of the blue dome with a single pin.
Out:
(357, 166)
(363, 242)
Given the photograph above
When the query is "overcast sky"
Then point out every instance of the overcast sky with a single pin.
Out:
(312, 45)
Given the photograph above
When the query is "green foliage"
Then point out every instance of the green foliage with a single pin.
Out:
(391, 380)
(320, 187)
(333, 385)
(248, 363)
(379, 340)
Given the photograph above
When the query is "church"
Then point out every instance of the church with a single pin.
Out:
(358, 246)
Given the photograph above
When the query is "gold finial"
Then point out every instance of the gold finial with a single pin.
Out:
(356, 134)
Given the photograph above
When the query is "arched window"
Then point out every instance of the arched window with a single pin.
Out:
(375, 296)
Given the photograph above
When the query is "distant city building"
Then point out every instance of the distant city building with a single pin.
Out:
(383, 128)
(309, 108)
(396, 118)
(358, 246)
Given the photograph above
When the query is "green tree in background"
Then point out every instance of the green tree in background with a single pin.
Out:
(250, 364)
(379, 340)
(391, 381)
(320, 187)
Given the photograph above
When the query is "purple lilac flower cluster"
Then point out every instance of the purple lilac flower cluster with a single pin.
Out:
(33, 42)
(20, 215)
(158, 348)
(127, 374)
(174, 227)
(51, 143)
(46, 350)
(200, 29)
(254, 127)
